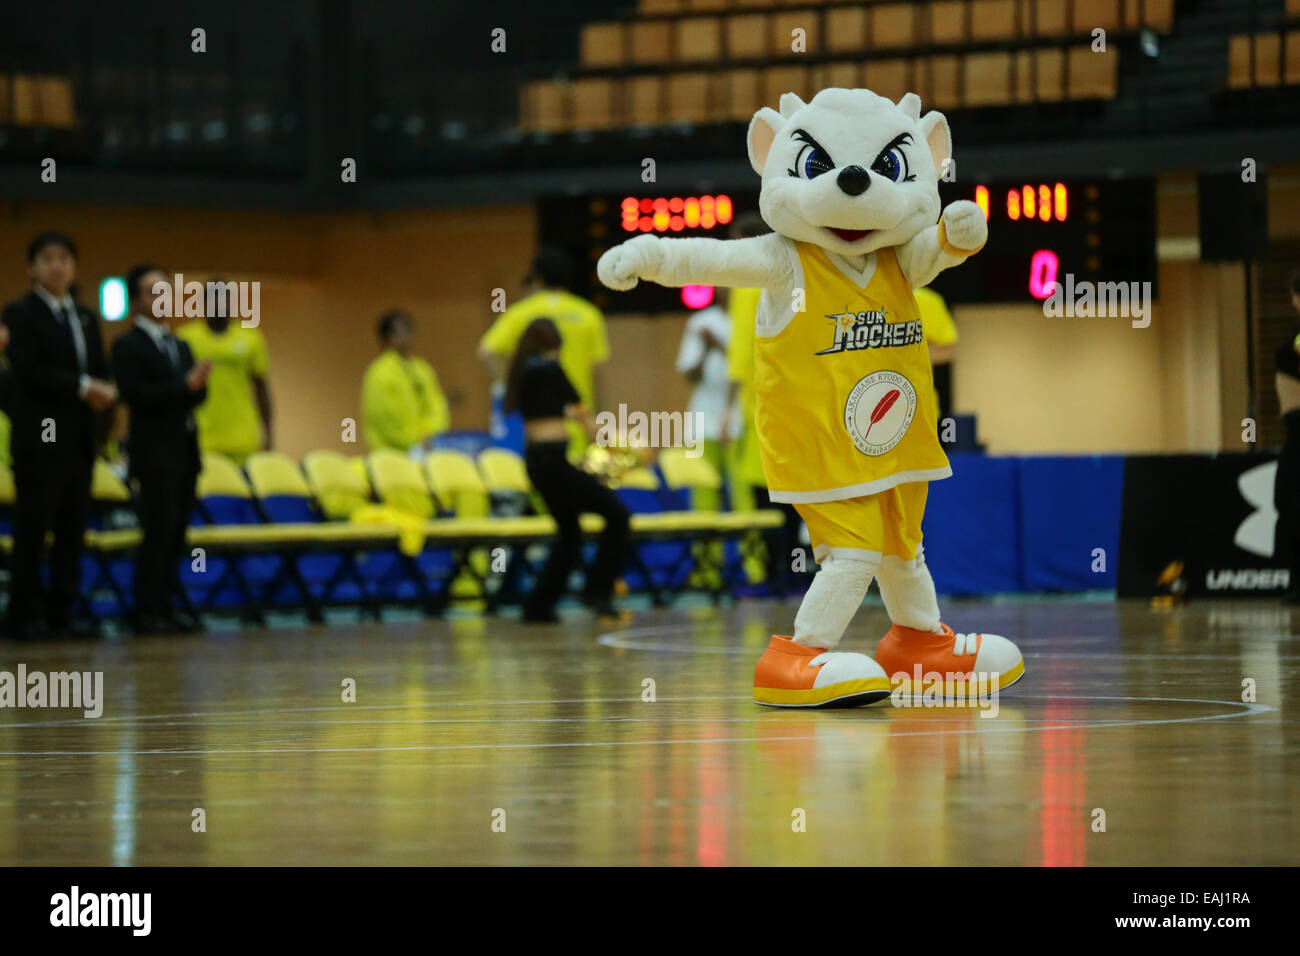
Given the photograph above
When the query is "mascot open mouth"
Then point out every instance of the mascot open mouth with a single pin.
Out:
(850, 235)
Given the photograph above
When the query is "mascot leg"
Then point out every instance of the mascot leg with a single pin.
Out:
(921, 649)
(803, 671)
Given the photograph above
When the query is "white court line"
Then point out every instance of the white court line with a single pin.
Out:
(345, 722)
(406, 704)
(620, 640)
(1246, 710)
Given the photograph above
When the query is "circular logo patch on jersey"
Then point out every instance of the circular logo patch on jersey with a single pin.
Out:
(879, 411)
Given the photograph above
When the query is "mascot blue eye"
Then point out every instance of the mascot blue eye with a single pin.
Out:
(816, 162)
(892, 164)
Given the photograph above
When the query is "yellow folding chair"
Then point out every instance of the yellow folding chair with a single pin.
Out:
(506, 480)
(459, 488)
(399, 482)
(223, 494)
(681, 471)
(503, 471)
(456, 483)
(274, 474)
(337, 485)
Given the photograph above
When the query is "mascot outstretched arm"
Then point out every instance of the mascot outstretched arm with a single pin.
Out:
(850, 189)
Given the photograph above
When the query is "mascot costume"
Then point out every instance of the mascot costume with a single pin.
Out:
(842, 375)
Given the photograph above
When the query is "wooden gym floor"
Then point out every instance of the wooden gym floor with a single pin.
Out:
(1125, 711)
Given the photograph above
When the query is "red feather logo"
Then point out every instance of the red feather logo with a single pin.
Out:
(882, 409)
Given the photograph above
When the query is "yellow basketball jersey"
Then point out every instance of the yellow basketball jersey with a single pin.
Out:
(842, 390)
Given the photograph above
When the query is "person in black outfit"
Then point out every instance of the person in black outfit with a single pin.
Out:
(58, 381)
(1286, 486)
(161, 384)
(545, 398)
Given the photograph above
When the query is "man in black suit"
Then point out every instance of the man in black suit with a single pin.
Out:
(58, 381)
(161, 384)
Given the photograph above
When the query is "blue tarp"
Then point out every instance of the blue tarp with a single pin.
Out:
(1070, 511)
(1024, 524)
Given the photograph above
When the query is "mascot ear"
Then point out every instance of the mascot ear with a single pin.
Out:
(935, 130)
(911, 105)
(790, 104)
(762, 131)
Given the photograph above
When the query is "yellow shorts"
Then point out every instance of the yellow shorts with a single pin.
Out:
(888, 522)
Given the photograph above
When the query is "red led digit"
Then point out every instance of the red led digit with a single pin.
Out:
(722, 209)
(1043, 268)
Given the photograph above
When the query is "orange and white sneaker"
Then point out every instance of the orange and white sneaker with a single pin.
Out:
(793, 675)
(967, 664)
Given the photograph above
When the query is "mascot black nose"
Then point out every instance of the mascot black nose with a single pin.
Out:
(854, 180)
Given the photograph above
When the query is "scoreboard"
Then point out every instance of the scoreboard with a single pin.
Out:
(589, 225)
(1039, 232)
(1042, 231)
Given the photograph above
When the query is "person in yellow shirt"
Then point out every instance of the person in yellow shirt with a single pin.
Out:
(941, 333)
(402, 405)
(584, 343)
(746, 482)
(235, 419)
(748, 486)
(744, 461)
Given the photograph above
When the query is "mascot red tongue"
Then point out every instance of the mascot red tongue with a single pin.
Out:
(850, 187)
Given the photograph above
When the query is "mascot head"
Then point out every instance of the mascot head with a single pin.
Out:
(851, 171)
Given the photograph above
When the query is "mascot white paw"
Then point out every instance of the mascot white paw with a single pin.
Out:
(965, 226)
(620, 267)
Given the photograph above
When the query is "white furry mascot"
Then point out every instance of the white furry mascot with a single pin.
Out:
(842, 371)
